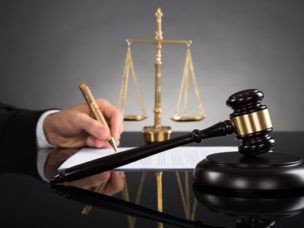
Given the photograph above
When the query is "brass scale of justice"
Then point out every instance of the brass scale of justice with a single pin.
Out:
(157, 132)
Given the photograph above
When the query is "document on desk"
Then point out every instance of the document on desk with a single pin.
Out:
(180, 158)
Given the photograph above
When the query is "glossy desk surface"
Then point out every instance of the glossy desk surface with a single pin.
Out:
(27, 201)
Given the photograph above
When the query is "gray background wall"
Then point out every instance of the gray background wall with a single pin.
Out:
(48, 47)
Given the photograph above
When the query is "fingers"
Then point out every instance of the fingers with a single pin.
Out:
(114, 116)
(115, 184)
(92, 181)
(94, 142)
(93, 127)
(97, 134)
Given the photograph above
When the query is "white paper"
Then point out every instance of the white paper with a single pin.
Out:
(179, 158)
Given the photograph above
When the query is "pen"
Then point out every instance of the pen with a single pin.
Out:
(98, 116)
(96, 111)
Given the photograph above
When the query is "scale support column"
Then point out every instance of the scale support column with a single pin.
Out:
(157, 133)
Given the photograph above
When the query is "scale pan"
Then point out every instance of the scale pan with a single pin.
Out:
(134, 117)
(188, 118)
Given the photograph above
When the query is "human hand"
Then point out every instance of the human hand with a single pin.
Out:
(108, 183)
(74, 127)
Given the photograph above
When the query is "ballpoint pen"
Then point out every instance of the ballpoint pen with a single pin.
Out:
(96, 111)
(98, 116)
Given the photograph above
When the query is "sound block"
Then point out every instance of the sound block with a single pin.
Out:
(240, 205)
(234, 171)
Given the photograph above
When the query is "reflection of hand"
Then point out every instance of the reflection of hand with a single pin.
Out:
(74, 127)
(113, 181)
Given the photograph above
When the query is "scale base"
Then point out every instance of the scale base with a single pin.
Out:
(233, 171)
(156, 134)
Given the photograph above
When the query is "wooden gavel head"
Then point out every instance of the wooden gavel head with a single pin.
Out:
(251, 122)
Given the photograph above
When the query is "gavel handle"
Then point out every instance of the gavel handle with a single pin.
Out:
(119, 159)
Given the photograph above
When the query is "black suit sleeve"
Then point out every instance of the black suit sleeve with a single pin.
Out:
(17, 135)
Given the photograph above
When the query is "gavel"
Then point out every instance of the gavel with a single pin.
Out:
(250, 121)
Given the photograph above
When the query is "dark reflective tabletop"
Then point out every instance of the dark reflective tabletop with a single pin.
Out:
(28, 201)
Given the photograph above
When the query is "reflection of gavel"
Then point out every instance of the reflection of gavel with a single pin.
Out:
(258, 210)
(250, 121)
(125, 207)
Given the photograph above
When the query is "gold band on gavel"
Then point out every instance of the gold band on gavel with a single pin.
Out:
(252, 122)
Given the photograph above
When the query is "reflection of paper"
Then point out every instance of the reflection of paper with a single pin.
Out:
(174, 159)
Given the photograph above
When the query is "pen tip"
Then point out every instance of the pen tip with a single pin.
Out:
(113, 144)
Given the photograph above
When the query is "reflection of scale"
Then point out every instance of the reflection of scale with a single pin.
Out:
(157, 133)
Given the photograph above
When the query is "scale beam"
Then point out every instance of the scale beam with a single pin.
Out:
(153, 42)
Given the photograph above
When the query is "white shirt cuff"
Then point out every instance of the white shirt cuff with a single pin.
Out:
(41, 160)
(41, 139)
